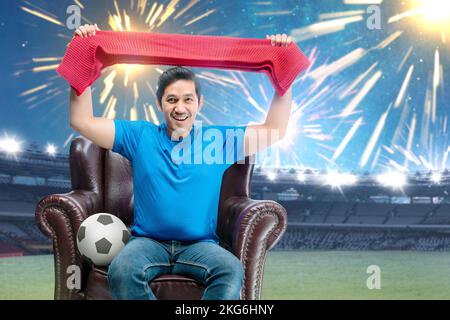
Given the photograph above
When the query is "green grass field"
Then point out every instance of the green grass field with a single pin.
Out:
(288, 275)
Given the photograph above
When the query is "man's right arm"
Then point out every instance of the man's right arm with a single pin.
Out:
(99, 130)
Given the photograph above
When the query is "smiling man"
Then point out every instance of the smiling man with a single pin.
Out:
(176, 202)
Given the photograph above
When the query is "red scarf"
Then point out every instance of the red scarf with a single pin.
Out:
(86, 57)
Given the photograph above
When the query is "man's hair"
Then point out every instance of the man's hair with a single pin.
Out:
(173, 74)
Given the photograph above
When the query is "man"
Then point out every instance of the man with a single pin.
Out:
(176, 180)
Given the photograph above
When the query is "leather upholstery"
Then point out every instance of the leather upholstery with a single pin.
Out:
(102, 182)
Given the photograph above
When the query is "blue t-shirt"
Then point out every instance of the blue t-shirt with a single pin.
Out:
(177, 183)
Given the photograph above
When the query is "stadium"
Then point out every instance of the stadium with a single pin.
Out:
(341, 222)
(363, 169)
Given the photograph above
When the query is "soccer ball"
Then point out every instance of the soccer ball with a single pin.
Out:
(100, 237)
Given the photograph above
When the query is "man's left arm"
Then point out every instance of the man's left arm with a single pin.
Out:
(261, 136)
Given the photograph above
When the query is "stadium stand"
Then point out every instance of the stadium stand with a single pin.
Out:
(16, 208)
(19, 234)
(12, 230)
(365, 216)
(22, 235)
(374, 209)
(9, 250)
(347, 239)
(443, 211)
(386, 226)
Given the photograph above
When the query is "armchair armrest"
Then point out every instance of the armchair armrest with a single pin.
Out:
(251, 228)
(59, 216)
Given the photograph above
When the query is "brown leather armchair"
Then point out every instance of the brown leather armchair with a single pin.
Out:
(102, 182)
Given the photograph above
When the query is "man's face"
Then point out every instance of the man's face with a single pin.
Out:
(180, 105)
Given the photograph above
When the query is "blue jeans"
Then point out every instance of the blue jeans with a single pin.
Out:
(143, 259)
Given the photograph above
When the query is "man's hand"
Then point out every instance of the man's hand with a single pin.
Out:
(279, 40)
(261, 136)
(87, 30)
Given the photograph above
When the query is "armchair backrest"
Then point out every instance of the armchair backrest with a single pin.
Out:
(108, 173)
(236, 181)
(118, 186)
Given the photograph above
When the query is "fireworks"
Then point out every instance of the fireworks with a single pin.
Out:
(370, 100)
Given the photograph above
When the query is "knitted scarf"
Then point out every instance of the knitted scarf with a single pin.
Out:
(86, 57)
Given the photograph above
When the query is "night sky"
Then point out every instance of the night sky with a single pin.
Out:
(372, 100)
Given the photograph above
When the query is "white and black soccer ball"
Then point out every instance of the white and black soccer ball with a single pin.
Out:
(101, 237)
